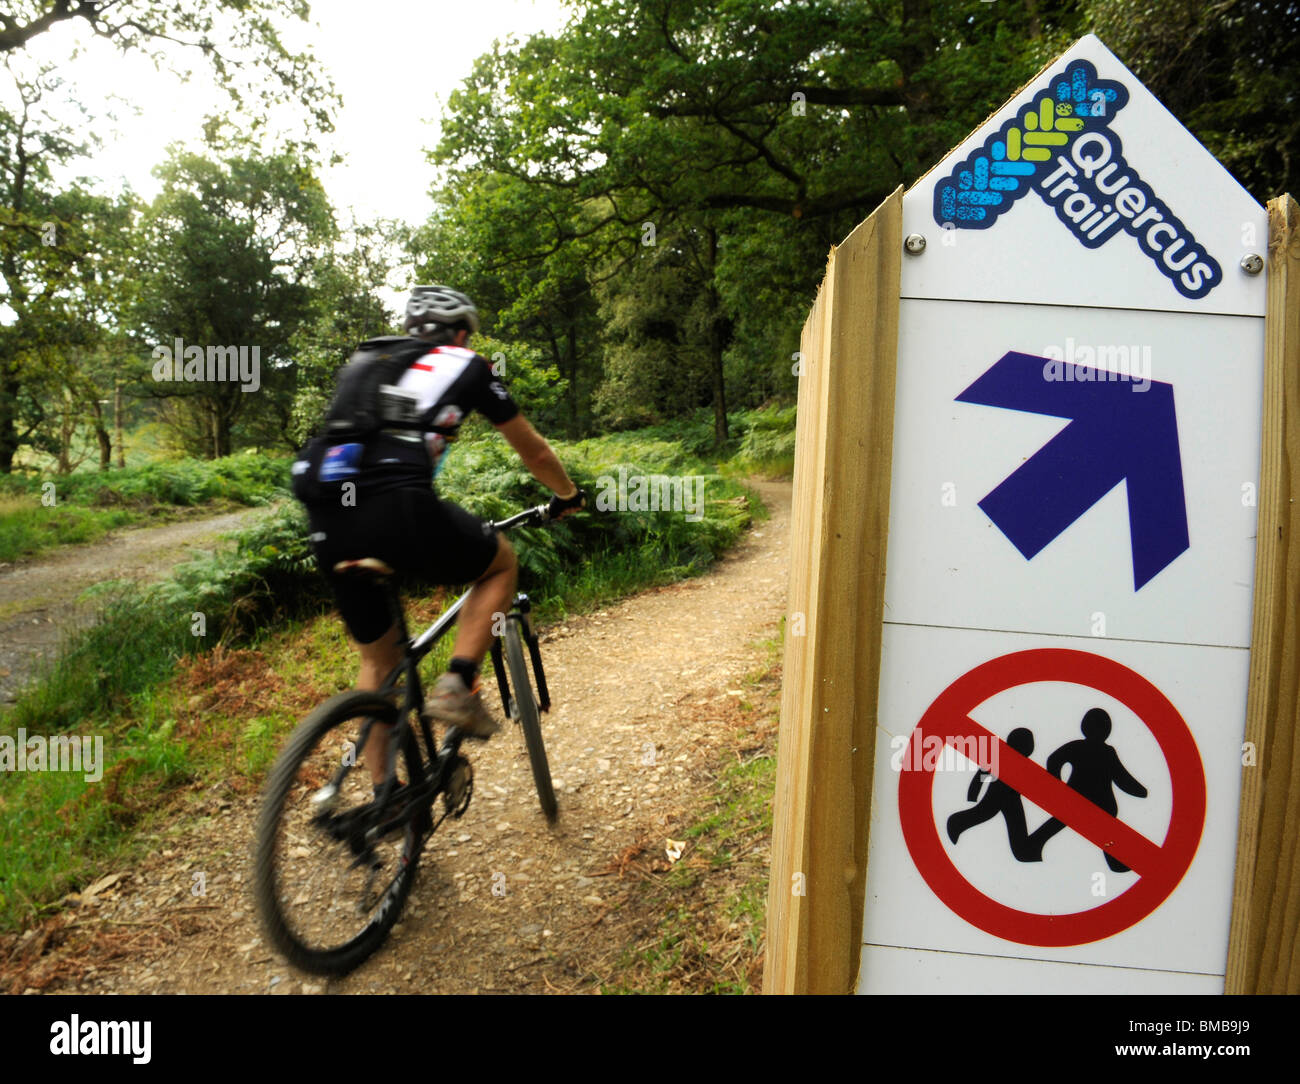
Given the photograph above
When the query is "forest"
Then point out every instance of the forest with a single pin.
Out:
(641, 204)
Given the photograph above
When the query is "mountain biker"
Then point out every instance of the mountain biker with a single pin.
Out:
(400, 519)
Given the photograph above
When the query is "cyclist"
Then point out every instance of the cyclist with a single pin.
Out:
(399, 518)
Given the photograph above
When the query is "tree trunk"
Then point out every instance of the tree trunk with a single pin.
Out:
(9, 388)
(917, 48)
(717, 344)
(117, 423)
(1035, 23)
(67, 428)
(574, 406)
(720, 432)
(101, 435)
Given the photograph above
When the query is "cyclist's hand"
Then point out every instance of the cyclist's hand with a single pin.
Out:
(559, 507)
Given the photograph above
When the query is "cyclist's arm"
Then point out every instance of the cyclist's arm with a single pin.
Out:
(537, 456)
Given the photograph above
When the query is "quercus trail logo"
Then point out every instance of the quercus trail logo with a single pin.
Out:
(1060, 145)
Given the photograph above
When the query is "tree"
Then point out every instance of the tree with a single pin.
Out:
(656, 365)
(744, 121)
(239, 38)
(344, 308)
(84, 360)
(228, 250)
(38, 248)
(42, 254)
(773, 129)
(525, 255)
(1229, 70)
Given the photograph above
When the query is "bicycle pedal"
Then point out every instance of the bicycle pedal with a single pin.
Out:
(459, 789)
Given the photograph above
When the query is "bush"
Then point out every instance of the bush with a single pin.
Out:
(767, 446)
(249, 478)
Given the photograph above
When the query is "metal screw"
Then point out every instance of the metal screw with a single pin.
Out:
(1252, 263)
(915, 243)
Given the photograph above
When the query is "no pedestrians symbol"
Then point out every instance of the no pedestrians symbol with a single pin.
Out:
(1159, 866)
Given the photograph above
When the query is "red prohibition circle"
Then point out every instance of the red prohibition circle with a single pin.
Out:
(1164, 865)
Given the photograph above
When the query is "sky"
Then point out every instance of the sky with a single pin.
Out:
(395, 63)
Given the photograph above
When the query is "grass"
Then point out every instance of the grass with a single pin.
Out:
(27, 527)
(179, 710)
(714, 907)
(38, 513)
(760, 441)
(712, 903)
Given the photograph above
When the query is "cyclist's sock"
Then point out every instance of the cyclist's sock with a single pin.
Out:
(465, 669)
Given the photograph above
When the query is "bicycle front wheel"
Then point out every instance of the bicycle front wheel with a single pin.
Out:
(525, 706)
(331, 878)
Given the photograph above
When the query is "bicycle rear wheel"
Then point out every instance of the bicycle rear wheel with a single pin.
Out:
(328, 891)
(525, 706)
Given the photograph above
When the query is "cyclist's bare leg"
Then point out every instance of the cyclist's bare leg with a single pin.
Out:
(377, 661)
(490, 595)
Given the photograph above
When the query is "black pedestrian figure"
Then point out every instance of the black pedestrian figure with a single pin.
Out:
(1095, 770)
(1000, 798)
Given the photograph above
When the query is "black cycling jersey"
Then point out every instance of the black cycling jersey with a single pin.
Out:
(449, 382)
(446, 385)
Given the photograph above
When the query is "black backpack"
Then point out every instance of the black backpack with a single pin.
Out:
(356, 412)
(351, 445)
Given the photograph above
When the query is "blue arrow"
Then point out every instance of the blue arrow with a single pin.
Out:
(1116, 434)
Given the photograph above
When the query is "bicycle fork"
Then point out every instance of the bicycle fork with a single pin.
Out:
(519, 612)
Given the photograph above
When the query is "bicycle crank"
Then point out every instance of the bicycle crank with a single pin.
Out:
(459, 789)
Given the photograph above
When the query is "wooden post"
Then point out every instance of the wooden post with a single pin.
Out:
(840, 522)
(1263, 943)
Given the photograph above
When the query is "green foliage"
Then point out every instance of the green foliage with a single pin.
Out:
(64, 255)
(688, 165)
(588, 164)
(768, 444)
(492, 236)
(227, 249)
(532, 379)
(598, 554)
(1230, 71)
(657, 316)
(240, 39)
(27, 527)
(248, 478)
(131, 646)
(270, 575)
(70, 259)
(344, 309)
(88, 503)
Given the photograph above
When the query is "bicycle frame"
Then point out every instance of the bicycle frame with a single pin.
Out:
(413, 651)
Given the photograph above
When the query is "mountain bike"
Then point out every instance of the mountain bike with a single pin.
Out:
(336, 856)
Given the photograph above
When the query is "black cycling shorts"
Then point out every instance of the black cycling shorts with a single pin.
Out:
(420, 535)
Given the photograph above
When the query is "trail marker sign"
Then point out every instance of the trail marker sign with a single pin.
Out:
(1076, 421)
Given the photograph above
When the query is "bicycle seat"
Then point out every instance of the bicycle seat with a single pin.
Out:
(364, 566)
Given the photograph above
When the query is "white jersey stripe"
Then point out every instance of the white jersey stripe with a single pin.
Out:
(434, 373)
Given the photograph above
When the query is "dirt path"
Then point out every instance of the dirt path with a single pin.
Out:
(39, 598)
(646, 694)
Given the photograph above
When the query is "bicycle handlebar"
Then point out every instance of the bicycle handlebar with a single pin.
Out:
(529, 515)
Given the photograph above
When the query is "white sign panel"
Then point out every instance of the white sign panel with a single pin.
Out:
(1071, 554)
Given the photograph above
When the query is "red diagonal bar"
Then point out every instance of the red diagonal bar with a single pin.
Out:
(1057, 799)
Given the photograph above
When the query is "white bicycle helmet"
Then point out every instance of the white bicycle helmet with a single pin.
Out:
(431, 307)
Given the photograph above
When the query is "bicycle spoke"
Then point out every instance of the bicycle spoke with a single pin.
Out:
(330, 886)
